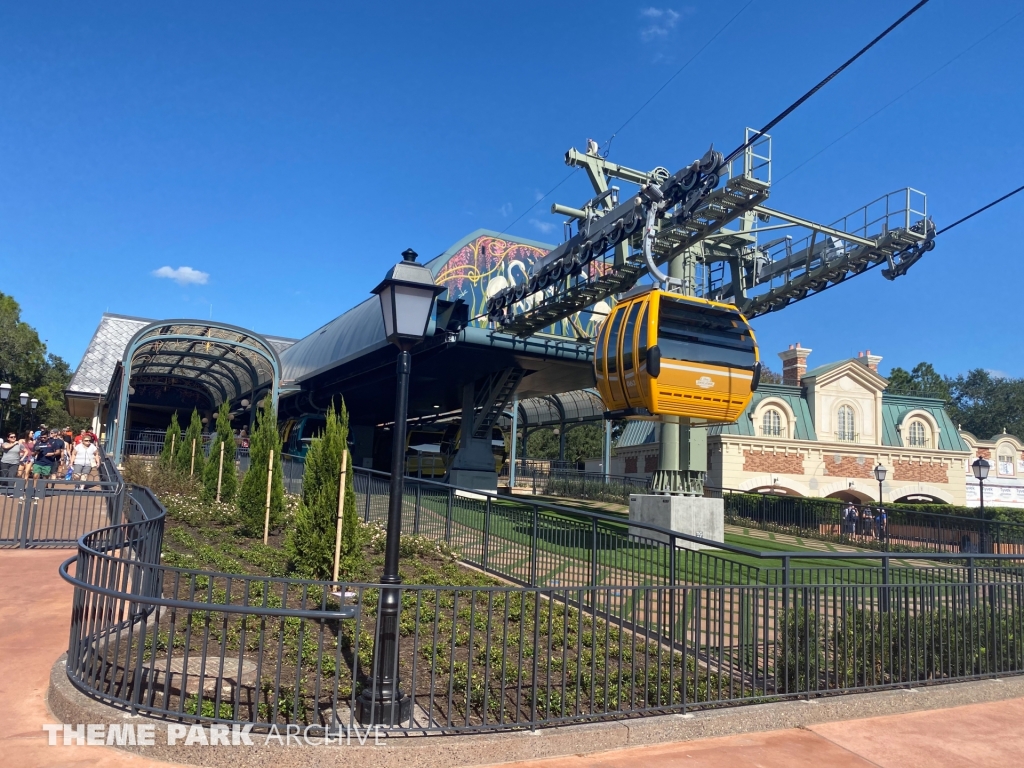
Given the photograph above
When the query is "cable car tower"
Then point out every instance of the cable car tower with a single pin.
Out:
(709, 226)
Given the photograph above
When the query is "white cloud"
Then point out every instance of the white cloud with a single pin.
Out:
(537, 195)
(662, 21)
(997, 374)
(506, 210)
(544, 226)
(183, 275)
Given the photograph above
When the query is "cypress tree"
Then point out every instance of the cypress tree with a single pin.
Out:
(166, 455)
(229, 481)
(310, 544)
(252, 495)
(183, 459)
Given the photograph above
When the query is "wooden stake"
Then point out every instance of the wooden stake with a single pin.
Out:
(341, 512)
(266, 517)
(220, 470)
(172, 445)
(192, 467)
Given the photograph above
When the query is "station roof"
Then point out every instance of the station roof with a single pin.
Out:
(582, 405)
(227, 361)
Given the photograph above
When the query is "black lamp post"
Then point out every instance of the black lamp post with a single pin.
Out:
(5, 408)
(406, 300)
(33, 403)
(981, 468)
(880, 477)
(23, 398)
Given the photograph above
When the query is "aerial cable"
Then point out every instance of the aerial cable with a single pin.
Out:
(980, 210)
(835, 141)
(796, 104)
(608, 144)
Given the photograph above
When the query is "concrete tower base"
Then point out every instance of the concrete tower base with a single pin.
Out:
(693, 515)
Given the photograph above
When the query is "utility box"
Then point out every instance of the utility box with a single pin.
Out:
(693, 515)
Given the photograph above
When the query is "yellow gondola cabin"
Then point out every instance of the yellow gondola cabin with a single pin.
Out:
(663, 354)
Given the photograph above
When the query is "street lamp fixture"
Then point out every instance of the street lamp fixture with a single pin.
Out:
(33, 403)
(880, 477)
(407, 297)
(980, 468)
(5, 395)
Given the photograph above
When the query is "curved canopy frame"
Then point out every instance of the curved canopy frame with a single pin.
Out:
(225, 361)
(583, 405)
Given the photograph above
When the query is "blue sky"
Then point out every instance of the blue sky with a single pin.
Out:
(292, 151)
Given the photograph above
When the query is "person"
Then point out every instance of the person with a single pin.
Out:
(48, 451)
(11, 449)
(27, 456)
(849, 519)
(883, 523)
(85, 459)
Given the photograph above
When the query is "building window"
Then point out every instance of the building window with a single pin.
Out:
(1006, 464)
(771, 423)
(845, 433)
(918, 437)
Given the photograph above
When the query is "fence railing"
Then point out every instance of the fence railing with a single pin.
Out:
(574, 483)
(902, 529)
(55, 513)
(621, 631)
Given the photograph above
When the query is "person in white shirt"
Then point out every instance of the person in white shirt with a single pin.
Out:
(85, 459)
(11, 450)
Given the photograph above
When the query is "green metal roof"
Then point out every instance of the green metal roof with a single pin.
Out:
(895, 407)
(792, 396)
(826, 368)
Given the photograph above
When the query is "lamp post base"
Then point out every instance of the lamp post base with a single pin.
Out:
(371, 711)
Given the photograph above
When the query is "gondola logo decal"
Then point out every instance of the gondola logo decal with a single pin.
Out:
(705, 382)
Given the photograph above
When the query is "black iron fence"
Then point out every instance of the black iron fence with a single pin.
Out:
(612, 620)
(541, 479)
(55, 513)
(901, 529)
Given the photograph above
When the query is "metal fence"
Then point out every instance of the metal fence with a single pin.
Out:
(541, 479)
(55, 513)
(903, 530)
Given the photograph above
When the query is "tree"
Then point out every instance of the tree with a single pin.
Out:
(985, 405)
(581, 442)
(768, 376)
(922, 381)
(229, 477)
(252, 495)
(310, 544)
(171, 439)
(183, 461)
(27, 367)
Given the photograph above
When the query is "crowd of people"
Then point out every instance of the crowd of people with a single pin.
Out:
(50, 453)
(865, 521)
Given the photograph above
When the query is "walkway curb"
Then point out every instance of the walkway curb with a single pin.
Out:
(69, 705)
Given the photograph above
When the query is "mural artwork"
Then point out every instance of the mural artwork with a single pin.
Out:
(488, 264)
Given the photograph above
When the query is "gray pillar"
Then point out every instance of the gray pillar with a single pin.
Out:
(607, 449)
(515, 437)
(561, 441)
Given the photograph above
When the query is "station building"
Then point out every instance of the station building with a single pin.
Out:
(822, 431)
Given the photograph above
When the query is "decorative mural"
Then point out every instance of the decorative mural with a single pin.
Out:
(489, 264)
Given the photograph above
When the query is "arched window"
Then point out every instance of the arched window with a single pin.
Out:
(918, 436)
(845, 432)
(771, 423)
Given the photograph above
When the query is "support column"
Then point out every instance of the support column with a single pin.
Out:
(607, 449)
(515, 439)
(683, 461)
(473, 465)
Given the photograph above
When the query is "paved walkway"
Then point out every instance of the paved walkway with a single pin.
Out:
(979, 736)
(34, 614)
(35, 610)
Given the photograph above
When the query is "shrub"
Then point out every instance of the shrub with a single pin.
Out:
(252, 495)
(229, 477)
(311, 542)
(162, 480)
(171, 438)
(183, 459)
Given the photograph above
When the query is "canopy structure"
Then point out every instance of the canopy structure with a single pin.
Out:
(564, 411)
(224, 363)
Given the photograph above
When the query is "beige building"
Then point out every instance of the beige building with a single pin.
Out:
(822, 432)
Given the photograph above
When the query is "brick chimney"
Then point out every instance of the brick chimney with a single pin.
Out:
(794, 364)
(869, 360)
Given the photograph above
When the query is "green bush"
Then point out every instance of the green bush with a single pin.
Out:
(229, 477)
(183, 459)
(171, 438)
(252, 495)
(310, 543)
